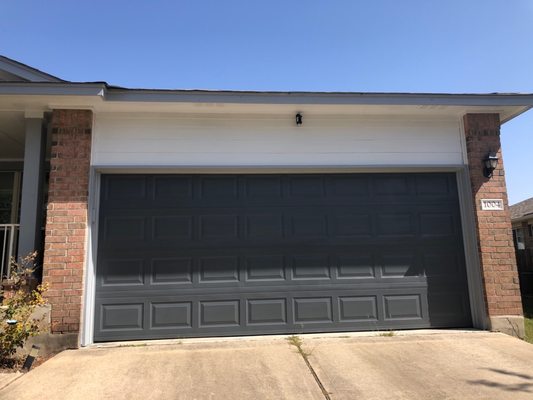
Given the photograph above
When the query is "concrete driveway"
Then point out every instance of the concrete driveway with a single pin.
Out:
(446, 365)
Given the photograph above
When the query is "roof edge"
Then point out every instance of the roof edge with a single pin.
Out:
(113, 93)
(26, 72)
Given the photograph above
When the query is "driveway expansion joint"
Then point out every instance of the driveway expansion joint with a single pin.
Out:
(297, 342)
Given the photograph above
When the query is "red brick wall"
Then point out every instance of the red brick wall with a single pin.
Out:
(66, 221)
(495, 239)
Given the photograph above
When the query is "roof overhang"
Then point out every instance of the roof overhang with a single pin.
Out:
(11, 70)
(101, 97)
(527, 217)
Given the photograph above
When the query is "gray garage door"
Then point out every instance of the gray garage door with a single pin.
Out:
(200, 255)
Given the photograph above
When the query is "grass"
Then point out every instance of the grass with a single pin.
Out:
(133, 345)
(387, 334)
(528, 318)
(298, 342)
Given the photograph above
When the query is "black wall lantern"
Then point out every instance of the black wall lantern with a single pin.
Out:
(299, 119)
(489, 164)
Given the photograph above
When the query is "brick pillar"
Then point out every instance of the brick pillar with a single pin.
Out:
(494, 234)
(66, 221)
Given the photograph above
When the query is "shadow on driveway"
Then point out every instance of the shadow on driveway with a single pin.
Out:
(525, 387)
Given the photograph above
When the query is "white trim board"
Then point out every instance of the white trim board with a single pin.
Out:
(256, 142)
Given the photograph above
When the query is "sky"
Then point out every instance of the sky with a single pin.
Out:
(452, 46)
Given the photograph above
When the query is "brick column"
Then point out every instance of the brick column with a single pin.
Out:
(66, 221)
(494, 234)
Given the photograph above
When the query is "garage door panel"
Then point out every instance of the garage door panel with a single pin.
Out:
(124, 229)
(175, 270)
(442, 265)
(197, 255)
(263, 226)
(350, 224)
(174, 228)
(219, 269)
(121, 317)
(223, 313)
(266, 311)
(294, 288)
(306, 186)
(275, 312)
(124, 187)
(250, 247)
(310, 267)
(169, 189)
(436, 186)
(218, 187)
(311, 310)
(122, 272)
(349, 187)
(273, 190)
(171, 315)
(338, 227)
(260, 188)
(402, 307)
(357, 308)
(264, 268)
(399, 265)
(446, 307)
(436, 224)
(397, 185)
(217, 226)
(355, 266)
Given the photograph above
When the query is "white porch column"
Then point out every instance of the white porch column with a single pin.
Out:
(32, 183)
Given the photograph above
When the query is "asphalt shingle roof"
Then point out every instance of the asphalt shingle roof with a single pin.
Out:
(522, 209)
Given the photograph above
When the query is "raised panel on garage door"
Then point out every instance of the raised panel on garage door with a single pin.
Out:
(202, 255)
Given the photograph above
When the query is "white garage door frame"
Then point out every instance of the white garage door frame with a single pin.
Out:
(475, 288)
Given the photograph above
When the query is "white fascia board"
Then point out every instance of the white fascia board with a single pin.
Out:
(514, 114)
(25, 72)
(52, 89)
(113, 94)
(194, 96)
(100, 97)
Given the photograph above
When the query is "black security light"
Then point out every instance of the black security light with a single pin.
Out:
(299, 119)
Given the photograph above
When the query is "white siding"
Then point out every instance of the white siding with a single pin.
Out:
(238, 140)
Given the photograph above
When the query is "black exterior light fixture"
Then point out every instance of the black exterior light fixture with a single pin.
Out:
(299, 119)
(489, 164)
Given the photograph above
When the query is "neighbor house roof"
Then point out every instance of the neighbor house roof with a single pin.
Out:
(522, 210)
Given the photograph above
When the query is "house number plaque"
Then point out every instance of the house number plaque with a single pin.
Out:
(492, 204)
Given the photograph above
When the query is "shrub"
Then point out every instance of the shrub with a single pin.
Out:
(16, 322)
